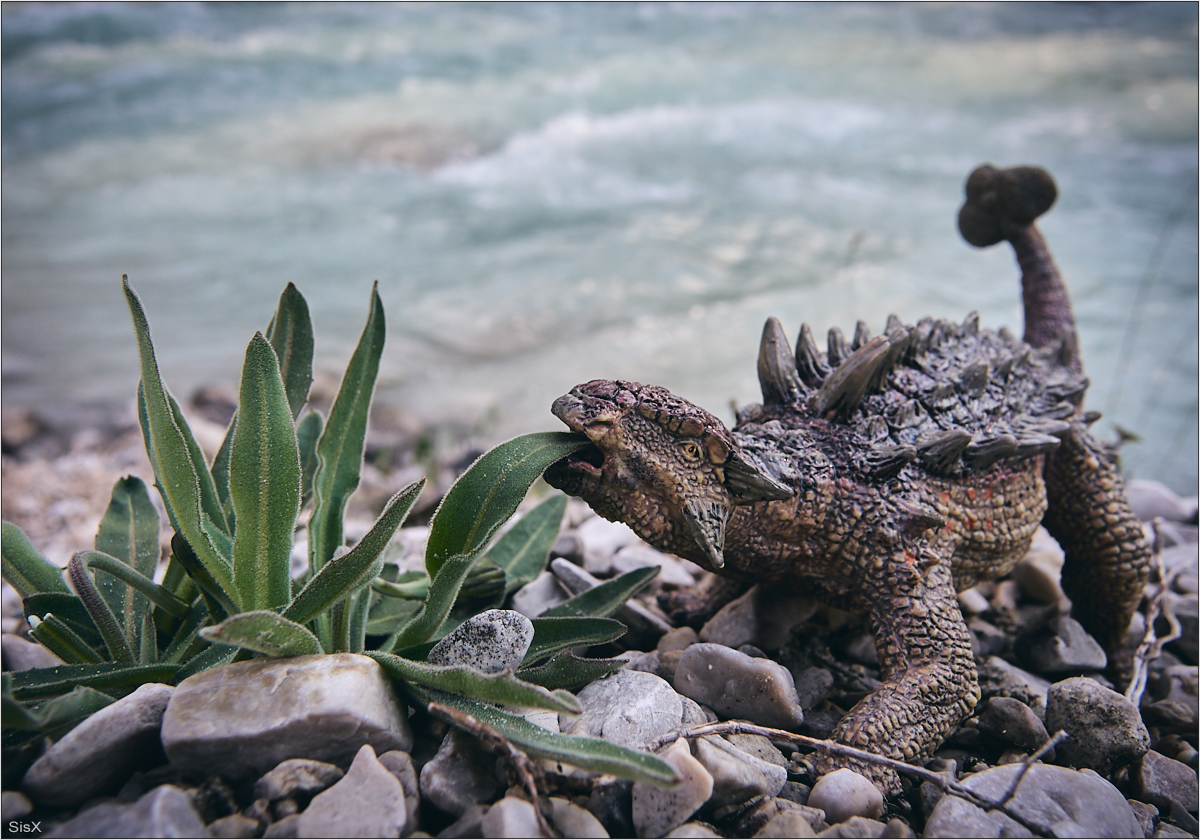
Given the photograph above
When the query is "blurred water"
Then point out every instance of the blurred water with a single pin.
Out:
(552, 193)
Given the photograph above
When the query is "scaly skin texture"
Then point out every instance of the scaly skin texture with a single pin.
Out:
(888, 474)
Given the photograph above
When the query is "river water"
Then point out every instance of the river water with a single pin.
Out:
(553, 193)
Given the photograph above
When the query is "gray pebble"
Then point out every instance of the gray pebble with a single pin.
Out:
(367, 802)
(1153, 498)
(786, 824)
(542, 593)
(166, 811)
(234, 827)
(761, 616)
(1001, 677)
(630, 708)
(1039, 574)
(739, 686)
(693, 831)
(20, 654)
(972, 602)
(672, 572)
(657, 811)
(98, 755)
(245, 718)
(1012, 722)
(601, 540)
(15, 805)
(296, 777)
(573, 821)
(511, 817)
(1145, 814)
(680, 638)
(1069, 803)
(813, 685)
(737, 775)
(1161, 781)
(493, 641)
(1060, 646)
(1106, 729)
(986, 638)
(462, 774)
(856, 827)
(400, 765)
(843, 794)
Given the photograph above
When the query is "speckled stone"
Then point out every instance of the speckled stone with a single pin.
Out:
(1071, 803)
(98, 755)
(657, 811)
(630, 708)
(1106, 729)
(493, 642)
(843, 794)
(739, 686)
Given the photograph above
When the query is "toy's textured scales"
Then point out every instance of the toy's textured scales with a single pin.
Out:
(888, 474)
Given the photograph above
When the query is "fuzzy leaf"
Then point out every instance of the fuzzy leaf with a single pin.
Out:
(493, 688)
(69, 609)
(594, 754)
(605, 599)
(220, 601)
(308, 432)
(552, 635)
(291, 336)
(162, 597)
(357, 567)
(129, 533)
(183, 479)
(59, 638)
(487, 494)
(340, 448)
(263, 631)
(569, 671)
(50, 682)
(264, 483)
(75, 705)
(443, 592)
(110, 630)
(25, 569)
(523, 549)
(213, 656)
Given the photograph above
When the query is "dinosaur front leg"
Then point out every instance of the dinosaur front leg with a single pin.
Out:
(929, 679)
(1107, 557)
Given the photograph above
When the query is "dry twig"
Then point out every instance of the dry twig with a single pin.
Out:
(1151, 646)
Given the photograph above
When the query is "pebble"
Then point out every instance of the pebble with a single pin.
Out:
(1176, 556)
(573, 821)
(813, 685)
(20, 654)
(786, 824)
(758, 746)
(611, 802)
(998, 676)
(1106, 729)
(235, 827)
(98, 755)
(296, 777)
(494, 642)
(680, 638)
(1153, 498)
(400, 765)
(693, 831)
(672, 572)
(986, 638)
(761, 616)
(460, 775)
(1161, 781)
(511, 817)
(843, 794)
(1012, 722)
(630, 708)
(1039, 574)
(470, 824)
(1069, 803)
(737, 775)
(601, 540)
(639, 618)
(657, 811)
(769, 809)
(14, 804)
(856, 827)
(166, 811)
(539, 595)
(739, 686)
(367, 802)
(245, 718)
(1060, 646)
(1145, 814)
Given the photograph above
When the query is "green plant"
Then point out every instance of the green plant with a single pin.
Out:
(227, 591)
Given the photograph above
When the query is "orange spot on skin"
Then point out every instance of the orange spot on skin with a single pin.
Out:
(910, 558)
(987, 493)
(945, 495)
(971, 493)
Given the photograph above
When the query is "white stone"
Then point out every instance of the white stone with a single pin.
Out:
(245, 718)
(630, 708)
(511, 817)
(367, 802)
(739, 686)
(737, 775)
(843, 794)
(656, 810)
(494, 641)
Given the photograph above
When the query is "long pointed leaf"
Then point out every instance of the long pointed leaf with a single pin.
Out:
(494, 688)
(186, 634)
(308, 432)
(25, 569)
(66, 607)
(160, 596)
(291, 336)
(443, 592)
(179, 468)
(594, 754)
(522, 550)
(213, 656)
(264, 483)
(49, 682)
(340, 449)
(220, 602)
(110, 630)
(605, 599)
(128, 533)
(552, 635)
(357, 567)
(488, 493)
(220, 473)
(56, 635)
(569, 671)
(263, 631)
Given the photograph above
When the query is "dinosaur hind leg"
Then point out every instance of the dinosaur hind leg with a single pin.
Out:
(1107, 555)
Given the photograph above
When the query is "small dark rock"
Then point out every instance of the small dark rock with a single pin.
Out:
(296, 777)
(611, 802)
(1060, 646)
(1162, 781)
(1012, 722)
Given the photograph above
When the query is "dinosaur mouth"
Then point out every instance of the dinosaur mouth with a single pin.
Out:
(589, 460)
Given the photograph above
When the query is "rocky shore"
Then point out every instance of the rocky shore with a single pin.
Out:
(220, 756)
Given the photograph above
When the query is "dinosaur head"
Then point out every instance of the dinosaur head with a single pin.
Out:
(668, 469)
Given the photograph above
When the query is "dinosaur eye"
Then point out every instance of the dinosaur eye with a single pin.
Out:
(691, 451)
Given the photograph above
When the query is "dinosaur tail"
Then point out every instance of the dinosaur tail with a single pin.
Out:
(1003, 204)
